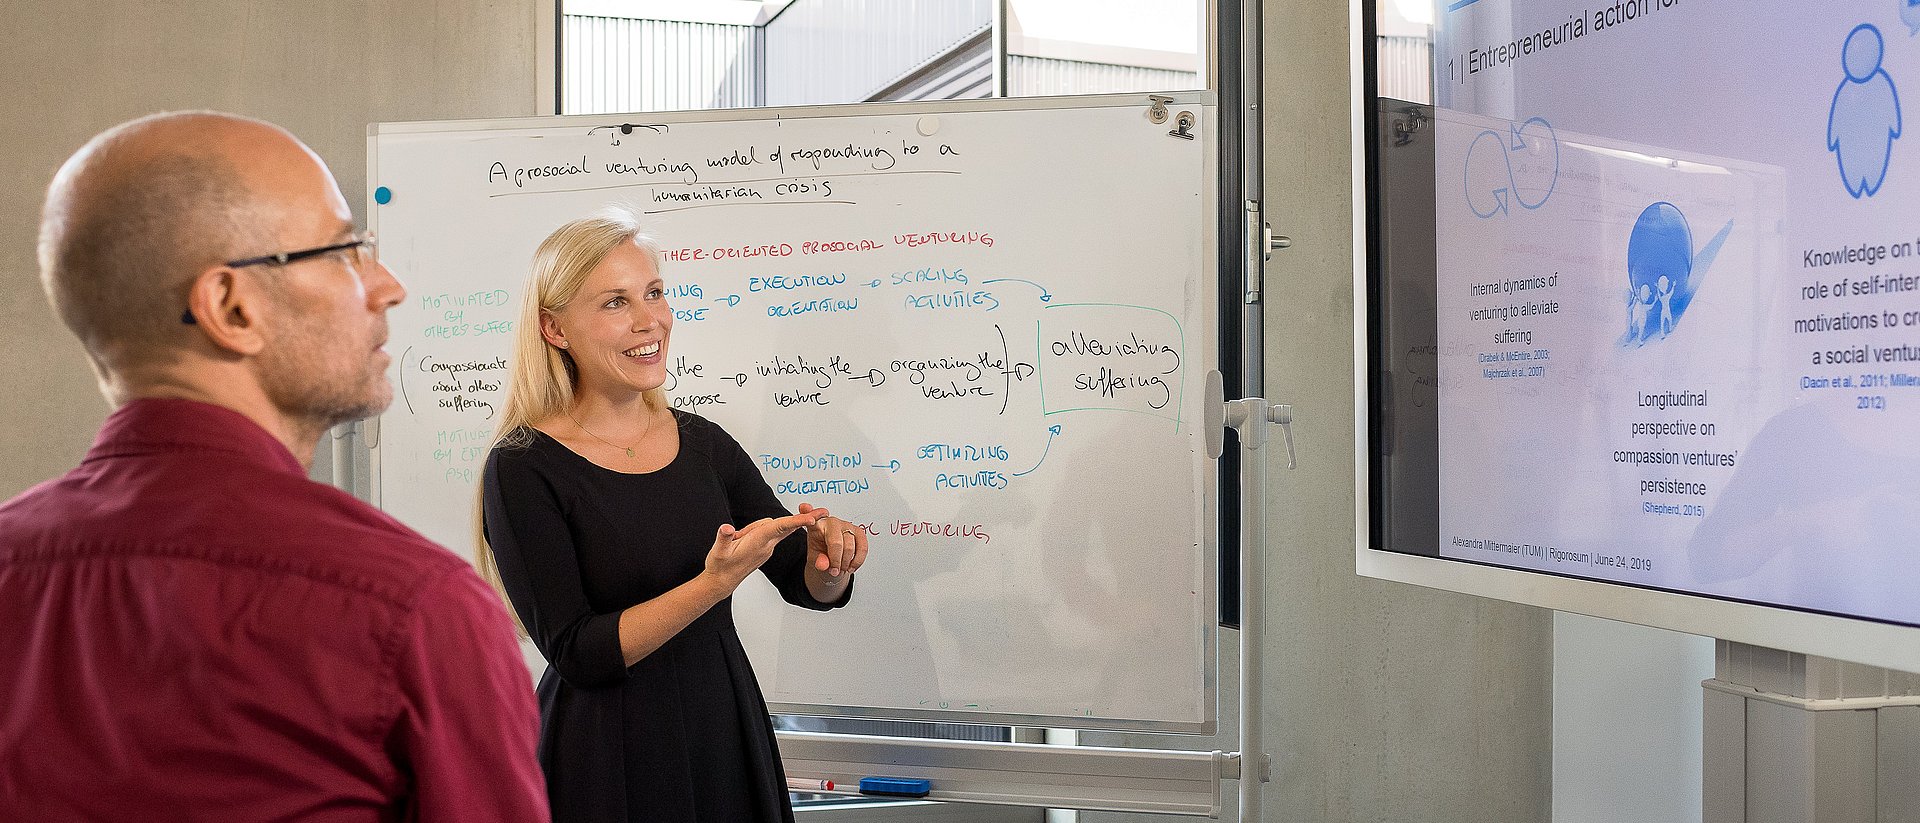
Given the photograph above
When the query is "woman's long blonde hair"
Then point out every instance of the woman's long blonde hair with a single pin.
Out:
(540, 386)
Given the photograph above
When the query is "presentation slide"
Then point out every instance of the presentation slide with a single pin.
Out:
(1677, 335)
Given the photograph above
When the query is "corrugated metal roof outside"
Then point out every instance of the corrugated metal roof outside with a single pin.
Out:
(1042, 76)
(844, 51)
(1405, 70)
(620, 64)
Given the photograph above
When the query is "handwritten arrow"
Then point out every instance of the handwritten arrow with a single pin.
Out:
(1044, 294)
(873, 284)
(1006, 390)
(403, 381)
(893, 466)
(1052, 432)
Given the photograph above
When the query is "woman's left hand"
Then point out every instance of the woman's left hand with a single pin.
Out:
(834, 546)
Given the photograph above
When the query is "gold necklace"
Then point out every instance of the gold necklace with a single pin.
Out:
(627, 449)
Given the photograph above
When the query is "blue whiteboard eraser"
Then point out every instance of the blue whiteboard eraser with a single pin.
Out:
(895, 786)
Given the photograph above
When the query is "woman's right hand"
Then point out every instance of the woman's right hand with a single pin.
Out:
(736, 553)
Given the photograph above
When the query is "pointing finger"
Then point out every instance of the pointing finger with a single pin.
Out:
(793, 522)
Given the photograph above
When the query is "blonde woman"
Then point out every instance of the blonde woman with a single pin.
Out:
(618, 529)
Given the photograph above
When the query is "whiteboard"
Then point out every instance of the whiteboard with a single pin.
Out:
(978, 329)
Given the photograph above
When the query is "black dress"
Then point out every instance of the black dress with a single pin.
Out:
(682, 735)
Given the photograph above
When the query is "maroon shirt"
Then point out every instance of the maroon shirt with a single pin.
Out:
(190, 629)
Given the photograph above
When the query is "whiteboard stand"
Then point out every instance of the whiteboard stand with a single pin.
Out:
(1094, 778)
(1254, 419)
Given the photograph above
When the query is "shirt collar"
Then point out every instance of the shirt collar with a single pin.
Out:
(151, 425)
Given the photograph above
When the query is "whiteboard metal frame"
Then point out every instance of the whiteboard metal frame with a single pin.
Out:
(1206, 99)
(1192, 97)
(1862, 641)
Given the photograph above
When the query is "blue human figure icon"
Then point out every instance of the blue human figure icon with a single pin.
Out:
(1664, 289)
(1639, 302)
(1865, 117)
(1659, 268)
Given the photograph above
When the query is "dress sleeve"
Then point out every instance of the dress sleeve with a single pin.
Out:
(750, 498)
(533, 547)
(467, 728)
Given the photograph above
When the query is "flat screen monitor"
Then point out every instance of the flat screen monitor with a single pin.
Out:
(1642, 308)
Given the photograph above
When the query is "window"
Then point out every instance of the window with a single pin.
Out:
(665, 56)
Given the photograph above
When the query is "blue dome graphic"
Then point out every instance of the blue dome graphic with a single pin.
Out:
(1659, 273)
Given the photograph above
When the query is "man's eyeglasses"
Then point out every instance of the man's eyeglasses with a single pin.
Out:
(363, 248)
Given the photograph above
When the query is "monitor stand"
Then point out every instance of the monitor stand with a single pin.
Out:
(1793, 738)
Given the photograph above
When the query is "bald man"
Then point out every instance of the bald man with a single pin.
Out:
(190, 629)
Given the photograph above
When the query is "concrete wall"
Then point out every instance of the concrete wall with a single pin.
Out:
(1626, 722)
(1384, 702)
(324, 69)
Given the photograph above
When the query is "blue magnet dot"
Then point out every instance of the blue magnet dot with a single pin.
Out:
(383, 195)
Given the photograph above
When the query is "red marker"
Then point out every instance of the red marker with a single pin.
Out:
(808, 784)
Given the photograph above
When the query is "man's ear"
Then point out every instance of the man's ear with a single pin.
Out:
(550, 329)
(226, 306)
